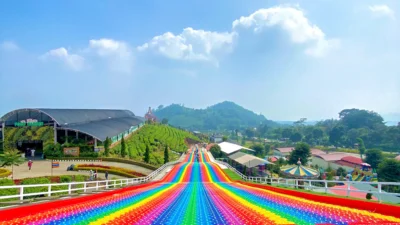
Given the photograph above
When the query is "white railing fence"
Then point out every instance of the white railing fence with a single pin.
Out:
(68, 188)
(324, 186)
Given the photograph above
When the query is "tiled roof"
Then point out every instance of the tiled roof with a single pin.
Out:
(352, 159)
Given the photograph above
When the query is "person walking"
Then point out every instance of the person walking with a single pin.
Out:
(106, 175)
(30, 164)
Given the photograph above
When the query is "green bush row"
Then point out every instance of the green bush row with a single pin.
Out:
(120, 160)
(103, 170)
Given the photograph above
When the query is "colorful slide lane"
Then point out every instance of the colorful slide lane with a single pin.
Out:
(196, 191)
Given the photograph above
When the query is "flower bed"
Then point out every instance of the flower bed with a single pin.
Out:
(111, 169)
(4, 173)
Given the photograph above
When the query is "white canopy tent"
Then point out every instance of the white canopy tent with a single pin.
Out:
(229, 148)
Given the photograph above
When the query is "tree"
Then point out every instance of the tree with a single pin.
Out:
(166, 154)
(296, 137)
(336, 134)
(358, 118)
(287, 133)
(216, 151)
(11, 158)
(389, 171)
(267, 149)
(164, 121)
(259, 150)
(361, 147)
(123, 148)
(224, 138)
(146, 158)
(341, 172)
(317, 133)
(250, 132)
(373, 157)
(302, 151)
(107, 144)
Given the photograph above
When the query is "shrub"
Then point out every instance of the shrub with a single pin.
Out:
(4, 173)
(111, 169)
(368, 196)
(8, 191)
(65, 179)
(39, 180)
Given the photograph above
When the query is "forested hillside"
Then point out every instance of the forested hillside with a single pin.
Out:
(222, 116)
(156, 137)
(343, 132)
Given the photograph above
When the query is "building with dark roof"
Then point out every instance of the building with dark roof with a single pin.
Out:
(95, 124)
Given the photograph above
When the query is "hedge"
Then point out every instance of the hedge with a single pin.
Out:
(126, 161)
(10, 191)
(38, 180)
(4, 172)
(111, 170)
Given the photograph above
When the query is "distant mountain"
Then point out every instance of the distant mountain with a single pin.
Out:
(222, 116)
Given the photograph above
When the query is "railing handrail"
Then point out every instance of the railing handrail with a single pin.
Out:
(98, 183)
(308, 183)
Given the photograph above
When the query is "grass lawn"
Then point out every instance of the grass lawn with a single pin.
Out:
(232, 175)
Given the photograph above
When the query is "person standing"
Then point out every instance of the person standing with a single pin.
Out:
(33, 152)
(30, 164)
(106, 175)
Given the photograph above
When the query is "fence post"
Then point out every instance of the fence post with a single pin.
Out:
(310, 186)
(84, 187)
(49, 190)
(348, 189)
(379, 192)
(106, 184)
(297, 184)
(326, 186)
(115, 184)
(97, 185)
(21, 193)
(69, 188)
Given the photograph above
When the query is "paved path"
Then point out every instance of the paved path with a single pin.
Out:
(43, 168)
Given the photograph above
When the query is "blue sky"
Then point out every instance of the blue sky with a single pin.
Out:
(284, 59)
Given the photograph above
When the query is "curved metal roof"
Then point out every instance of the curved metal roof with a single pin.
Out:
(105, 128)
(76, 116)
(99, 123)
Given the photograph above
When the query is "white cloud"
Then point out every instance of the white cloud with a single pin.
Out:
(75, 62)
(294, 22)
(382, 10)
(9, 46)
(118, 53)
(191, 44)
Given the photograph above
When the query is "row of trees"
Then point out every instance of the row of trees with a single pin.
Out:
(146, 157)
(346, 131)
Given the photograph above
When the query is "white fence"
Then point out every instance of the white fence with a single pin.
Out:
(81, 186)
(323, 185)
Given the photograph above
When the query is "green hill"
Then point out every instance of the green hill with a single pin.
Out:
(156, 136)
(222, 116)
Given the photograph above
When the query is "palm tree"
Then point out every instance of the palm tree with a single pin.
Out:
(11, 158)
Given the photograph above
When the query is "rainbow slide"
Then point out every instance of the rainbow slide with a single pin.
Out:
(195, 191)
